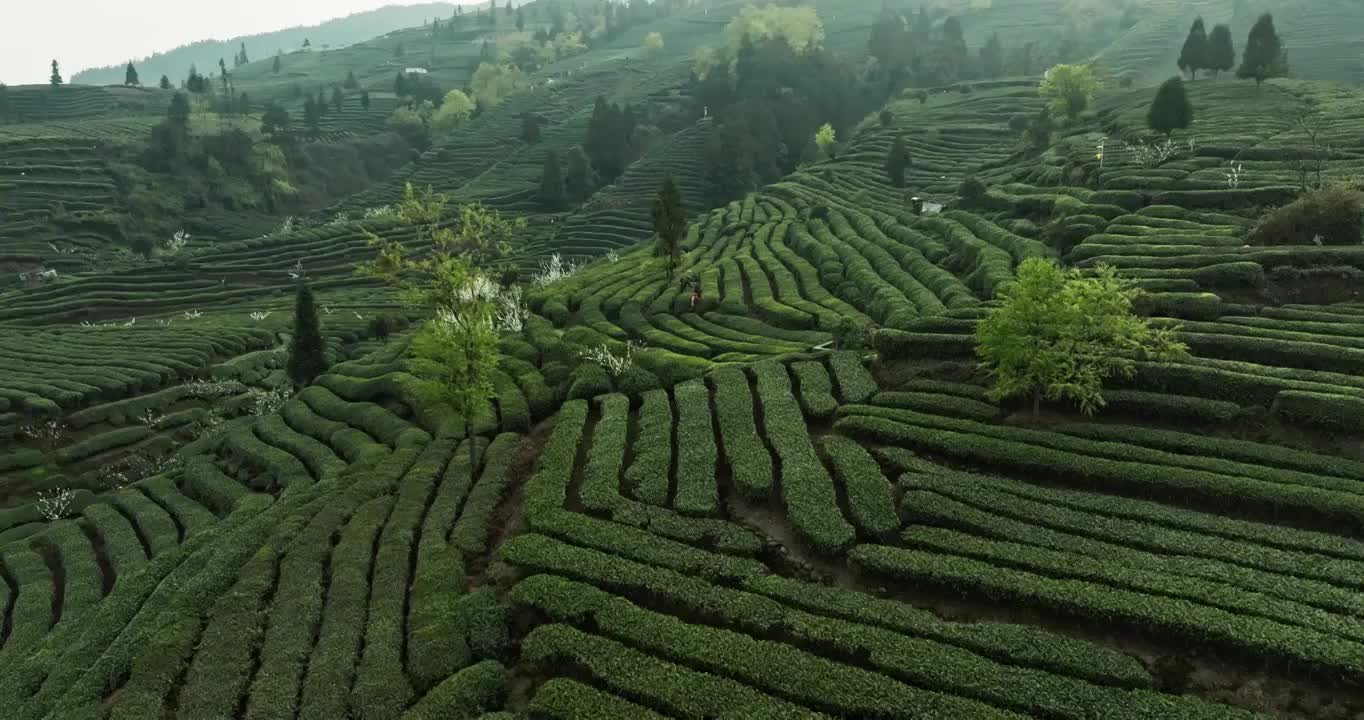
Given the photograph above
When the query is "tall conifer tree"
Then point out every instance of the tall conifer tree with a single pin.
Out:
(1194, 56)
(306, 350)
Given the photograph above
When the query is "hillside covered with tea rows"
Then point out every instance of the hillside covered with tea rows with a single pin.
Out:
(696, 368)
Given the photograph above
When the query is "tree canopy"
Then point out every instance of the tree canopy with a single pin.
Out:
(1221, 51)
(493, 83)
(1194, 55)
(670, 223)
(130, 76)
(1171, 109)
(1264, 55)
(307, 358)
(1069, 88)
(455, 109)
(1060, 335)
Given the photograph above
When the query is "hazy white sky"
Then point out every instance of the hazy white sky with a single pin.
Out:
(91, 33)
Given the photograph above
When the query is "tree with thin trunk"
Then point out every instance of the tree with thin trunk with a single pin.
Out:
(1060, 334)
(278, 64)
(56, 78)
(1194, 56)
(445, 278)
(130, 76)
(1264, 56)
(1221, 52)
(670, 223)
(307, 352)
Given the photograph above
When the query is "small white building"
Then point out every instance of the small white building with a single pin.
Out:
(415, 71)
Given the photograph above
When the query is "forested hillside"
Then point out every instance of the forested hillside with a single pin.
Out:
(695, 360)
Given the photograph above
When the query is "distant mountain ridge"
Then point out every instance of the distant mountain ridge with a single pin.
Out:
(204, 54)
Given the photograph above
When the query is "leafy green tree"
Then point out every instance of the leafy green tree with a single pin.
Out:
(400, 85)
(278, 64)
(1059, 335)
(897, 162)
(307, 43)
(493, 83)
(446, 275)
(455, 109)
(130, 76)
(826, 139)
(520, 19)
(552, 183)
(307, 351)
(1221, 52)
(1171, 109)
(1069, 88)
(1194, 56)
(364, 99)
(351, 83)
(56, 78)
(243, 104)
(165, 83)
(670, 223)
(992, 57)
(1264, 56)
(460, 342)
(338, 98)
(242, 59)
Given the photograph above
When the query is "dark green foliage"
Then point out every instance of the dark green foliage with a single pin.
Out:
(886, 118)
(306, 348)
(1264, 55)
(1221, 52)
(277, 65)
(55, 78)
(897, 162)
(312, 114)
(670, 223)
(364, 99)
(1171, 109)
(581, 180)
(337, 98)
(1333, 215)
(971, 190)
(351, 83)
(275, 121)
(165, 83)
(130, 76)
(552, 183)
(530, 128)
(609, 136)
(1194, 55)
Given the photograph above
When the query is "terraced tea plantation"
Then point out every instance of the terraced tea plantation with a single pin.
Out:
(774, 483)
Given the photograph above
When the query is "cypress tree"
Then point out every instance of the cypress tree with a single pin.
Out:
(243, 104)
(897, 162)
(364, 99)
(552, 183)
(277, 65)
(56, 77)
(130, 76)
(165, 83)
(1264, 56)
(337, 98)
(400, 85)
(4, 103)
(582, 178)
(351, 83)
(1194, 56)
(670, 222)
(306, 358)
(1221, 52)
(1171, 109)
